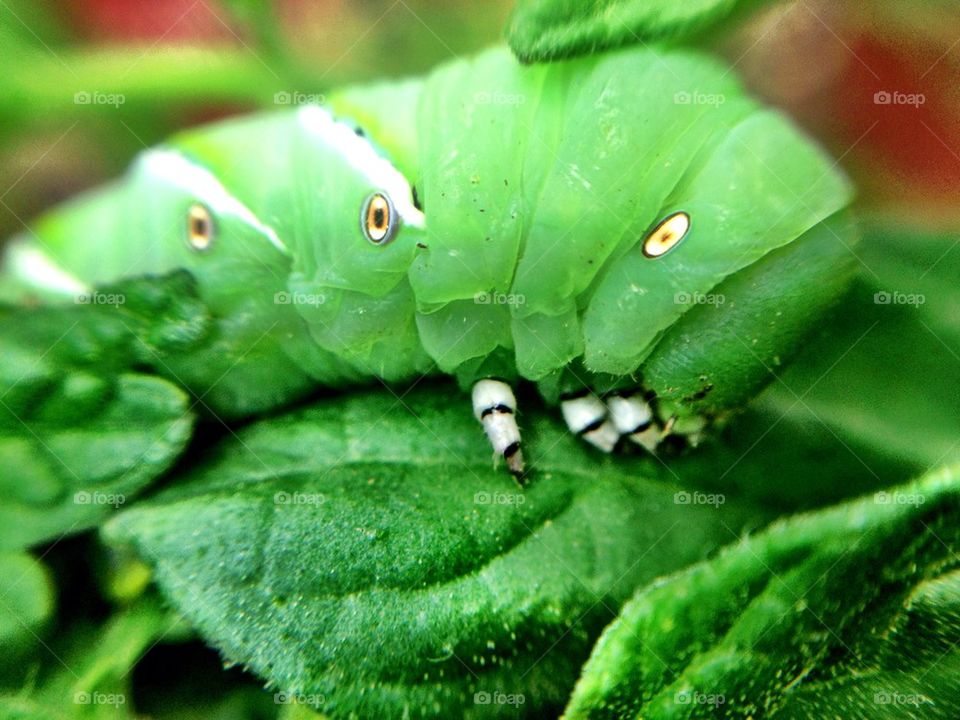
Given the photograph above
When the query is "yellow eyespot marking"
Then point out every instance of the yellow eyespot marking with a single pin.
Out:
(378, 219)
(667, 235)
(199, 227)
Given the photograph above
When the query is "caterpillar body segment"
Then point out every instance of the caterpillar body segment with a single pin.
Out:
(595, 216)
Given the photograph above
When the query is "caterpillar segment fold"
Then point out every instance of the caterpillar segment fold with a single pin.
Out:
(495, 406)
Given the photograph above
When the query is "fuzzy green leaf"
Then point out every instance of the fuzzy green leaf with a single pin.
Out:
(849, 612)
(542, 30)
(368, 559)
(63, 476)
(80, 432)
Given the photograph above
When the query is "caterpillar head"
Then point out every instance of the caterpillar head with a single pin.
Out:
(246, 203)
(359, 225)
(190, 216)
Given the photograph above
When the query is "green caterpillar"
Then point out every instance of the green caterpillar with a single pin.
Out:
(629, 231)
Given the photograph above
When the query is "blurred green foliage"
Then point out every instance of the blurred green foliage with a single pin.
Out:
(77, 103)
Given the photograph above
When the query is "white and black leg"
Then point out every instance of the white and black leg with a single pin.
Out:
(495, 406)
(634, 419)
(586, 415)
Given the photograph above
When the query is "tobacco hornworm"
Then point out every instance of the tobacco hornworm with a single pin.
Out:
(629, 231)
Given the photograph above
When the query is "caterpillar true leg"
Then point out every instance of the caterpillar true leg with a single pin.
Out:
(495, 406)
(586, 415)
(633, 418)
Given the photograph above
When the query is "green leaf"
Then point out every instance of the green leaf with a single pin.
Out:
(542, 30)
(21, 707)
(106, 668)
(364, 556)
(766, 454)
(64, 476)
(26, 603)
(92, 667)
(882, 377)
(80, 433)
(849, 612)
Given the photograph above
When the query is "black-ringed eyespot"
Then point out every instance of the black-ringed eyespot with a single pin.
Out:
(200, 228)
(667, 235)
(378, 219)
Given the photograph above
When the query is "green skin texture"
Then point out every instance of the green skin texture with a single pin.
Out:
(538, 186)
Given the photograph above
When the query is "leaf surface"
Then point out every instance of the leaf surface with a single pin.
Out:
(81, 430)
(365, 556)
(849, 612)
(542, 30)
